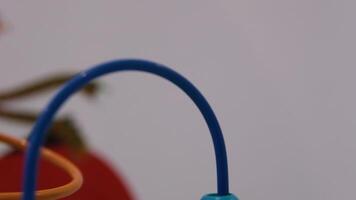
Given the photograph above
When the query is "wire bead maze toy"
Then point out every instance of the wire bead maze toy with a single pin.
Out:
(39, 130)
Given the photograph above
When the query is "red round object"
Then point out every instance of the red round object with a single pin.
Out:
(100, 180)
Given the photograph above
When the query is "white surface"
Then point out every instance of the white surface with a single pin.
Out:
(279, 74)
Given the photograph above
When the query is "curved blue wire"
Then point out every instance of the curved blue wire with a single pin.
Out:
(45, 119)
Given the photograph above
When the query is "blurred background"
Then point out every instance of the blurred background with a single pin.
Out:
(279, 74)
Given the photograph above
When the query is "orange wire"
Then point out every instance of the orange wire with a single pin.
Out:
(54, 158)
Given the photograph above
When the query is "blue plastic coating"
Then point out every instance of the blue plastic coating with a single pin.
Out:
(45, 119)
(219, 197)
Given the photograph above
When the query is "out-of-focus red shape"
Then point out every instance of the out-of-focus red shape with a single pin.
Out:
(2, 26)
(100, 181)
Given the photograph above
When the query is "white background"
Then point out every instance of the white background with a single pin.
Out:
(280, 75)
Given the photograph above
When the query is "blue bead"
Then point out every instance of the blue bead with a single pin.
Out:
(218, 197)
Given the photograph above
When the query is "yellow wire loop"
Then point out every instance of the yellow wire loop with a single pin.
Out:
(54, 158)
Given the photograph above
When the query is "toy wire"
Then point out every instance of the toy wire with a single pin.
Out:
(56, 159)
(42, 124)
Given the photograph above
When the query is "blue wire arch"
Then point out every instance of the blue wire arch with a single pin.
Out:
(45, 119)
